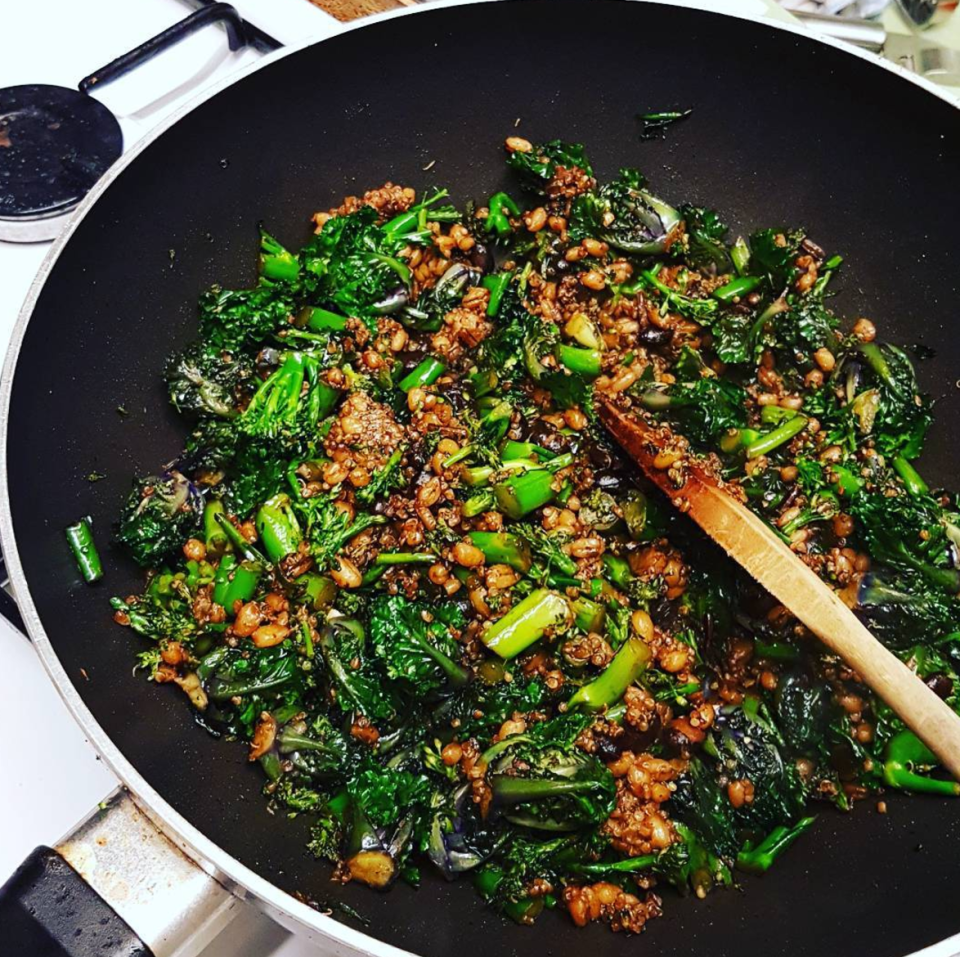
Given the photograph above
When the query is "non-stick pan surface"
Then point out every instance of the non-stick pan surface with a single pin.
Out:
(784, 131)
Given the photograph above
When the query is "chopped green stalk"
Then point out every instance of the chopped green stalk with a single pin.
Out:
(320, 590)
(270, 763)
(776, 650)
(484, 382)
(737, 288)
(425, 374)
(458, 456)
(630, 865)
(912, 480)
(589, 615)
(740, 254)
(235, 581)
(415, 218)
(500, 207)
(521, 494)
(478, 504)
(617, 570)
(524, 450)
(80, 539)
(759, 859)
(277, 263)
(609, 687)
(779, 436)
(832, 263)
(848, 482)
(875, 359)
(582, 362)
(904, 753)
(502, 548)
(238, 541)
(737, 439)
(524, 911)
(479, 475)
(526, 623)
(306, 632)
(214, 536)
(278, 528)
(772, 414)
(405, 558)
(323, 320)
(497, 285)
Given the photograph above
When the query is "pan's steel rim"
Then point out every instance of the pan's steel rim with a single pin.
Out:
(244, 882)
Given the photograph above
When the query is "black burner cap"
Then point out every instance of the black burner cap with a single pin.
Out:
(55, 143)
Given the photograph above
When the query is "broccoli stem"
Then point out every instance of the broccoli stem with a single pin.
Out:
(582, 362)
(425, 374)
(608, 688)
(740, 254)
(631, 865)
(736, 288)
(289, 740)
(278, 528)
(80, 539)
(276, 262)
(214, 537)
(776, 651)
(235, 581)
(508, 789)
(736, 439)
(618, 570)
(405, 558)
(411, 219)
(904, 751)
(306, 632)
(759, 859)
(523, 911)
(875, 359)
(521, 494)
(319, 589)
(912, 480)
(322, 320)
(524, 450)
(502, 548)
(774, 414)
(238, 541)
(497, 286)
(848, 482)
(527, 622)
(500, 208)
(589, 615)
(779, 436)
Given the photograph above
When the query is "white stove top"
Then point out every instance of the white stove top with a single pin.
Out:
(53, 776)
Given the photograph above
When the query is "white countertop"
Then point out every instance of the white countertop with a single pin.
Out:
(53, 776)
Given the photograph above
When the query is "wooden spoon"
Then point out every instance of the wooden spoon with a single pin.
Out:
(752, 544)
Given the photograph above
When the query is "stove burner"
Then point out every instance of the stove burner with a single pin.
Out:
(55, 143)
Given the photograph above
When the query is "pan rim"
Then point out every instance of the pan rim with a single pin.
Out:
(241, 880)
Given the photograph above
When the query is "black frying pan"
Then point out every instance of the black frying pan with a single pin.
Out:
(785, 130)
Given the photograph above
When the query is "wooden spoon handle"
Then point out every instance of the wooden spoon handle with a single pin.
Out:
(753, 545)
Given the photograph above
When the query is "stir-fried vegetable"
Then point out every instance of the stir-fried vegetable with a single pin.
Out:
(400, 560)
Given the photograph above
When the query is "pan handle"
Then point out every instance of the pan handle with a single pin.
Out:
(8, 604)
(114, 887)
(238, 35)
